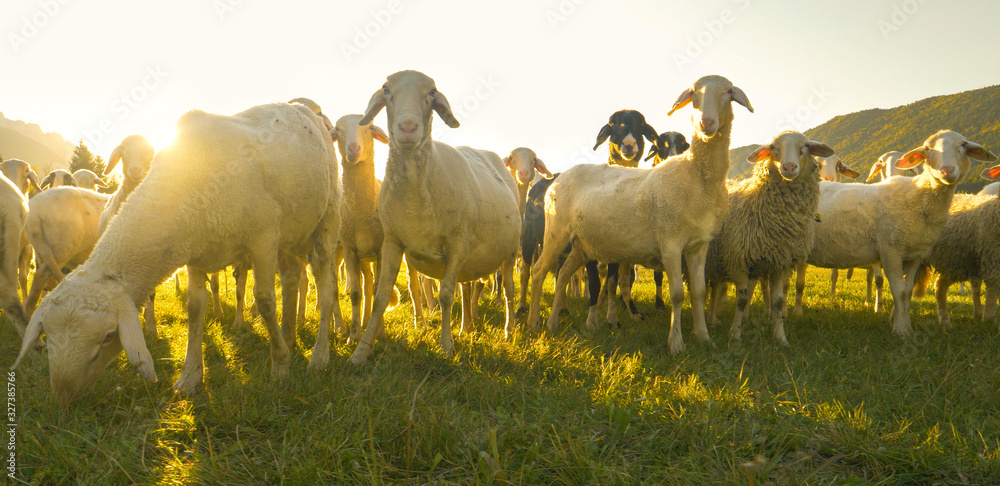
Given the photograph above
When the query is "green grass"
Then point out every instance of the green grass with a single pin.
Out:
(846, 403)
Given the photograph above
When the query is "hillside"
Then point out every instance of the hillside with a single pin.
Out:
(44, 151)
(860, 138)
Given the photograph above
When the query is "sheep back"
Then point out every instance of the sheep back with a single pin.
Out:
(966, 248)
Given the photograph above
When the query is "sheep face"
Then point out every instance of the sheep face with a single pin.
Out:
(790, 154)
(355, 141)
(667, 145)
(711, 96)
(408, 98)
(626, 129)
(946, 156)
(20, 173)
(88, 180)
(831, 169)
(58, 177)
(136, 154)
(522, 164)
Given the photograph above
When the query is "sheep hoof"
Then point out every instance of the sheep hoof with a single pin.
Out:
(676, 346)
(521, 311)
(564, 312)
(187, 383)
(660, 305)
(361, 354)
(946, 325)
(638, 316)
(320, 359)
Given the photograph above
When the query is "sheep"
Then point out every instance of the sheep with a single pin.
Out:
(990, 189)
(227, 188)
(13, 212)
(896, 221)
(360, 228)
(88, 180)
(650, 217)
(885, 167)
(525, 166)
(967, 250)
(625, 129)
(62, 228)
(21, 174)
(668, 144)
(770, 227)
(451, 211)
(57, 178)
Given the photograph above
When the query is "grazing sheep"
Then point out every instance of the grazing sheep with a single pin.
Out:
(452, 211)
(62, 228)
(88, 180)
(990, 189)
(13, 212)
(625, 129)
(649, 217)
(667, 145)
(57, 178)
(360, 228)
(967, 250)
(770, 227)
(897, 221)
(227, 188)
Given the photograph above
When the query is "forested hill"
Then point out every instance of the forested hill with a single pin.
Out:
(860, 138)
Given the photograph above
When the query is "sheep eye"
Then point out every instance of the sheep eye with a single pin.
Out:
(433, 92)
(109, 336)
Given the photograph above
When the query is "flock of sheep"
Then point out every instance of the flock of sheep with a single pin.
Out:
(228, 192)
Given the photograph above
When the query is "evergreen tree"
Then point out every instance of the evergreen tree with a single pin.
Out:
(83, 158)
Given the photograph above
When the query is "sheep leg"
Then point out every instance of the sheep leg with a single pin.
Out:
(593, 293)
(240, 274)
(893, 267)
(368, 278)
(263, 292)
(941, 296)
(990, 308)
(477, 292)
(573, 262)
(391, 259)
(696, 270)
(15, 313)
(149, 316)
(750, 291)
(338, 318)
(976, 287)
(507, 272)
(743, 295)
(37, 285)
(446, 297)
(327, 292)
(610, 289)
(354, 276)
(216, 301)
(658, 280)
(671, 262)
(717, 289)
(555, 243)
(427, 286)
(194, 365)
(290, 270)
(416, 296)
(879, 283)
(833, 283)
(800, 287)
(469, 293)
(525, 270)
(303, 290)
(777, 297)
(23, 266)
(869, 280)
(627, 274)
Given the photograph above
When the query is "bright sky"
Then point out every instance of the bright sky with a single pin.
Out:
(542, 74)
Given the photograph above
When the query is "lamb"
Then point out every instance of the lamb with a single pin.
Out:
(57, 178)
(88, 180)
(452, 211)
(13, 212)
(897, 221)
(770, 227)
(661, 214)
(990, 189)
(227, 188)
(967, 250)
(668, 144)
(62, 228)
(360, 228)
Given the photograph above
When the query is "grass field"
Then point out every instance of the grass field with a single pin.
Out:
(846, 403)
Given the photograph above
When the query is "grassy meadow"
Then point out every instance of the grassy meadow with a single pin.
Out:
(846, 403)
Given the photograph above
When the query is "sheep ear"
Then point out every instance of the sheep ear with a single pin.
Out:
(686, 97)
(978, 152)
(991, 173)
(876, 169)
(683, 146)
(911, 159)
(540, 167)
(443, 109)
(130, 333)
(116, 155)
(47, 181)
(740, 97)
(819, 149)
(31, 336)
(100, 183)
(375, 105)
(762, 153)
(33, 180)
(506, 161)
(379, 134)
(846, 171)
(650, 133)
(333, 134)
(652, 152)
(603, 135)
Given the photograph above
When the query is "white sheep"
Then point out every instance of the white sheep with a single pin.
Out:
(990, 189)
(967, 250)
(25, 179)
(770, 227)
(13, 212)
(649, 217)
(62, 229)
(88, 180)
(885, 167)
(58, 178)
(227, 188)
(526, 168)
(896, 221)
(452, 211)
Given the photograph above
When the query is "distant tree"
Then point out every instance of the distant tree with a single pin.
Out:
(83, 158)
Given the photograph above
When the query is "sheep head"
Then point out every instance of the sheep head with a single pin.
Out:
(356, 141)
(885, 166)
(789, 153)
(832, 169)
(88, 180)
(136, 154)
(522, 164)
(408, 98)
(58, 177)
(626, 129)
(667, 145)
(711, 95)
(87, 324)
(20, 173)
(945, 156)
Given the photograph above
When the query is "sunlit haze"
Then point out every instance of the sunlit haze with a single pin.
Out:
(541, 74)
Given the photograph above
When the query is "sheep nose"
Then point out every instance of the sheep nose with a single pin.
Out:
(707, 125)
(353, 148)
(522, 175)
(408, 126)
